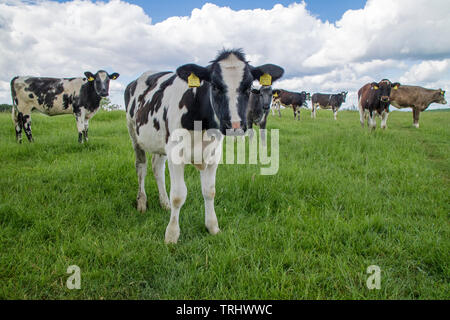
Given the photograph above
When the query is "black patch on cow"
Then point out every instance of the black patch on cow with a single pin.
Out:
(13, 91)
(129, 92)
(67, 101)
(166, 123)
(199, 108)
(151, 83)
(45, 89)
(156, 124)
(31, 96)
(133, 106)
(88, 98)
(152, 106)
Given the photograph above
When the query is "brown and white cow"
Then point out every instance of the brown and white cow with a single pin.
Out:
(327, 101)
(54, 96)
(295, 100)
(162, 105)
(417, 98)
(373, 99)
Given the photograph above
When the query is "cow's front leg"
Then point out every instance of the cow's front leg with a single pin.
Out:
(158, 166)
(27, 127)
(208, 179)
(416, 116)
(178, 192)
(335, 114)
(80, 116)
(85, 131)
(372, 120)
(384, 117)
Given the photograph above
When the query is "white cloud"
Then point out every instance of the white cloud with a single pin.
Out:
(65, 39)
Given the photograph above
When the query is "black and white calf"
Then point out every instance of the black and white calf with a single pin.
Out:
(159, 104)
(259, 105)
(54, 96)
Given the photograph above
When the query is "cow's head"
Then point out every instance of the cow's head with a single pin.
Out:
(383, 90)
(308, 96)
(100, 81)
(440, 97)
(264, 94)
(230, 78)
(344, 95)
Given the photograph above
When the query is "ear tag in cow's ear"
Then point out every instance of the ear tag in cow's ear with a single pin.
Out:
(193, 81)
(91, 79)
(275, 95)
(375, 87)
(114, 77)
(265, 79)
(395, 87)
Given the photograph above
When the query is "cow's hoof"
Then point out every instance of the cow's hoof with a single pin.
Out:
(165, 204)
(416, 125)
(141, 203)
(172, 234)
(213, 230)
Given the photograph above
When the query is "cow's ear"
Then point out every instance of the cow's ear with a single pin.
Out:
(395, 86)
(267, 73)
(374, 86)
(89, 76)
(114, 76)
(189, 72)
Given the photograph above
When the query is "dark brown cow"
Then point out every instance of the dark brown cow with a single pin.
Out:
(290, 99)
(417, 98)
(373, 98)
(327, 101)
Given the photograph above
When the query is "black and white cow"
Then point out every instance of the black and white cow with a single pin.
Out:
(259, 107)
(327, 101)
(159, 105)
(54, 96)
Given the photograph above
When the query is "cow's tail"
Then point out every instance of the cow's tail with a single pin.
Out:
(14, 109)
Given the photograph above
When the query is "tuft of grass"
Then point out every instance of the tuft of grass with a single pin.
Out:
(344, 199)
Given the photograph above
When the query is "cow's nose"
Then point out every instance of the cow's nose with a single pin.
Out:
(236, 125)
(385, 99)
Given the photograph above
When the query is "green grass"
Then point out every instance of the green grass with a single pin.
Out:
(343, 199)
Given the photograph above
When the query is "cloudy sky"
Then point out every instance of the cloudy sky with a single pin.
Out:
(324, 45)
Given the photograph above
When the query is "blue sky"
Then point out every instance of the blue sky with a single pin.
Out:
(160, 10)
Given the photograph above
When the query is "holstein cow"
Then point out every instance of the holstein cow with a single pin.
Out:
(158, 104)
(290, 99)
(53, 96)
(327, 101)
(417, 98)
(259, 106)
(373, 98)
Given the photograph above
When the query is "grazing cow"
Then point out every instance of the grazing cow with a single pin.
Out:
(327, 101)
(258, 109)
(373, 98)
(160, 104)
(53, 96)
(290, 99)
(417, 98)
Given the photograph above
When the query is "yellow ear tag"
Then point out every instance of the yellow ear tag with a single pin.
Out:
(114, 77)
(375, 87)
(275, 95)
(395, 87)
(193, 81)
(265, 79)
(91, 79)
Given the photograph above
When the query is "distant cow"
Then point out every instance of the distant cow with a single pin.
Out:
(159, 105)
(327, 101)
(53, 96)
(258, 109)
(417, 98)
(290, 99)
(373, 98)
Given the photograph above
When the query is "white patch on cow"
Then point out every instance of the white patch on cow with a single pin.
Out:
(232, 74)
(102, 75)
(384, 117)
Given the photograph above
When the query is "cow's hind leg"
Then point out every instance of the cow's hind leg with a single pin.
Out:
(26, 124)
(80, 117)
(158, 166)
(416, 116)
(141, 171)
(18, 125)
(86, 129)
(178, 192)
(208, 179)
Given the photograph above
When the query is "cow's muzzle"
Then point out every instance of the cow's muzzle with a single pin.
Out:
(385, 99)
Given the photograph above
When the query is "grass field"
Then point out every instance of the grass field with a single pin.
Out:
(343, 199)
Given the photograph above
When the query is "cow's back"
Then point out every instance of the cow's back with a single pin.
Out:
(51, 96)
